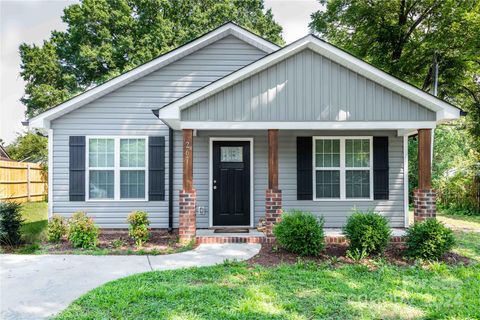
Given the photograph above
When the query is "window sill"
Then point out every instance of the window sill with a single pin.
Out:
(117, 200)
(343, 200)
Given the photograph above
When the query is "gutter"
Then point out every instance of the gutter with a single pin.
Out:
(170, 173)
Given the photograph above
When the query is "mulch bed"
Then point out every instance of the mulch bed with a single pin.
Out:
(272, 255)
(118, 242)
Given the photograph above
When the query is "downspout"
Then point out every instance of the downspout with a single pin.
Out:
(170, 179)
(170, 172)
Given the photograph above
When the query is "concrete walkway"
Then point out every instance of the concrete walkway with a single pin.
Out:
(39, 286)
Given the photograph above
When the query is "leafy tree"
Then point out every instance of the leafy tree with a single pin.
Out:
(403, 37)
(105, 38)
(30, 146)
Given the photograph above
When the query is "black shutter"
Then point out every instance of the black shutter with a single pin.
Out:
(77, 168)
(380, 168)
(156, 168)
(304, 168)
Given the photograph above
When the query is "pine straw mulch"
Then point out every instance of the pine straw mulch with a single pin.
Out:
(271, 255)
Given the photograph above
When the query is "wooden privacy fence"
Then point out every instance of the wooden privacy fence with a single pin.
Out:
(22, 181)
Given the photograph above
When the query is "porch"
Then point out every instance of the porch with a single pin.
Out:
(273, 166)
(332, 235)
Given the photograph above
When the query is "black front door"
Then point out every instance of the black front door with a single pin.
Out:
(231, 183)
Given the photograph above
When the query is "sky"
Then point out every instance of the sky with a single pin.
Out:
(31, 21)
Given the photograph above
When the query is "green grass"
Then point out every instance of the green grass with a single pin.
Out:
(302, 291)
(36, 220)
(468, 244)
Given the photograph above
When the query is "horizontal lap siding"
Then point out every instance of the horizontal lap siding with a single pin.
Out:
(335, 213)
(307, 87)
(127, 111)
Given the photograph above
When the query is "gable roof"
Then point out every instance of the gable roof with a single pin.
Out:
(3, 154)
(443, 109)
(43, 120)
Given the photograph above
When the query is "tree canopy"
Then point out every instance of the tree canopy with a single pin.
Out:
(403, 37)
(30, 146)
(105, 38)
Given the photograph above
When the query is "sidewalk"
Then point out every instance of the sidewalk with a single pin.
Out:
(39, 286)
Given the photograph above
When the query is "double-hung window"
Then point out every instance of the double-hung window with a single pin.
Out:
(342, 168)
(117, 168)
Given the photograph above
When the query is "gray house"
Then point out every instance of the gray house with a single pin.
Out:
(230, 128)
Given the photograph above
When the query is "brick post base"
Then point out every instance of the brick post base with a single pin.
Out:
(424, 204)
(187, 226)
(273, 210)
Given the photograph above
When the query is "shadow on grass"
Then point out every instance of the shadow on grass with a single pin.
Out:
(34, 231)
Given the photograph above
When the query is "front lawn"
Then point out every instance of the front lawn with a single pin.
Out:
(300, 291)
(36, 220)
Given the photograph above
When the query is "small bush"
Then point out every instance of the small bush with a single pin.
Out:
(82, 232)
(57, 229)
(300, 232)
(367, 232)
(10, 223)
(429, 240)
(138, 228)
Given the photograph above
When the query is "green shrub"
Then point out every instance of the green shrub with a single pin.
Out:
(429, 240)
(300, 232)
(10, 223)
(138, 228)
(57, 229)
(367, 232)
(82, 232)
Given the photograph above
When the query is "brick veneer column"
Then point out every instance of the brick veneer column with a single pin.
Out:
(424, 204)
(188, 195)
(187, 226)
(273, 210)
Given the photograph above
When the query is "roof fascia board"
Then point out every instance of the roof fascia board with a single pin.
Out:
(43, 120)
(302, 125)
(443, 110)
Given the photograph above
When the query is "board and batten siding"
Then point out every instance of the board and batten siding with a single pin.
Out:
(127, 111)
(306, 87)
(334, 212)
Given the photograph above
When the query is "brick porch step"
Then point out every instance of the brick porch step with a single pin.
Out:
(254, 236)
(331, 236)
(334, 235)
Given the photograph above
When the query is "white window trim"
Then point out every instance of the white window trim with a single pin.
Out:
(116, 168)
(342, 168)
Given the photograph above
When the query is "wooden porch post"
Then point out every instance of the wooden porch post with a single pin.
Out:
(273, 159)
(424, 158)
(188, 195)
(187, 159)
(273, 196)
(424, 196)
